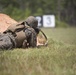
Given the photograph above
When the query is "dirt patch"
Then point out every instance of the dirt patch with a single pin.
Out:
(5, 22)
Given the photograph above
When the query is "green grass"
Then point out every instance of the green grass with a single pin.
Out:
(58, 58)
(66, 35)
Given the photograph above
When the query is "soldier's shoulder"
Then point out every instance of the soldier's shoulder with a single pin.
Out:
(30, 28)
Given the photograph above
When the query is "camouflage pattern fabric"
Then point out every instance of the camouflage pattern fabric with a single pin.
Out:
(17, 31)
(31, 37)
(32, 21)
(7, 41)
(26, 38)
(25, 35)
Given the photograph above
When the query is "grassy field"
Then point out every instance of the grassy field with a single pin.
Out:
(58, 58)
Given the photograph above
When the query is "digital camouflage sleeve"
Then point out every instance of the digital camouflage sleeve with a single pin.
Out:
(31, 37)
(7, 41)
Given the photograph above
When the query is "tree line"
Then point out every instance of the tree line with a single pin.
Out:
(64, 10)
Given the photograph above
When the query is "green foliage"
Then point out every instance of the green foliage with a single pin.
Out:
(61, 24)
(64, 10)
(27, 12)
(39, 12)
(57, 58)
(15, 13)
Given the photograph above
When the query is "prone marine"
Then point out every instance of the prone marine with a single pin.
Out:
(21, 35)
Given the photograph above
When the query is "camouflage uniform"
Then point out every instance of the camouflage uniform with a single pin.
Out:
(23, 33)
(31, 38)
(7, 41)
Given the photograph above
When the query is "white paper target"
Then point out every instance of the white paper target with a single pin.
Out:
(39, 18)
(48, 21)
